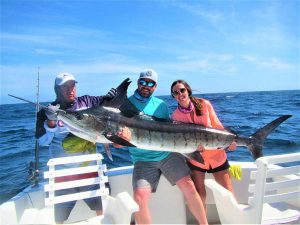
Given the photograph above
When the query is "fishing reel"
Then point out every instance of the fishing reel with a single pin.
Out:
(33, 175)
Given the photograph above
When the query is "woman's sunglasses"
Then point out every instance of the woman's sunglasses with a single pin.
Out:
(181, 90)
(146, 83)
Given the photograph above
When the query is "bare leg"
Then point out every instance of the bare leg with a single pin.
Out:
(193, 200)
(99, 212)
(141, 196)
(223, 178)
(198, 178)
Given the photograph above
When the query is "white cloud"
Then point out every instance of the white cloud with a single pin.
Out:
(249, 58)
(278, 64)
(27, 38)
(271, 62)
(46, 52)
(212, 17)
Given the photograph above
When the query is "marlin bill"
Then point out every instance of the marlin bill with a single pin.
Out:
(101, 124)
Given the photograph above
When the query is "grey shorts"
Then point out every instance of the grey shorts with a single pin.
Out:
(147, 174)
(63, 210)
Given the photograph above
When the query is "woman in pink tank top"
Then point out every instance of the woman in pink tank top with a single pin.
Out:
(200, 111)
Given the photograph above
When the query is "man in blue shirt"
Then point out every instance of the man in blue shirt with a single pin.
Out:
(149, 165)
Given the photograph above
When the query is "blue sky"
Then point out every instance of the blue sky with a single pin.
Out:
(217, 46)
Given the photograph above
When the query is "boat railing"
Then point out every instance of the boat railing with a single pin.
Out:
(116, 210)
(55, 173)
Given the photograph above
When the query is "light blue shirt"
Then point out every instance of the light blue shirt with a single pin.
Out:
(154, 107)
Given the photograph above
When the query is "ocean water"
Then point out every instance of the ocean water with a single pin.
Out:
(242, 112)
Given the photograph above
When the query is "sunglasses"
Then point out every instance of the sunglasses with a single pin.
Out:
(147, 83)
(181, 90)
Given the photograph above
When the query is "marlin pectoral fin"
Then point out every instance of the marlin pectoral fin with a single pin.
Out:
(118, 140)
(195, 156)
(153, 118)
(128, 109)
(161, 119)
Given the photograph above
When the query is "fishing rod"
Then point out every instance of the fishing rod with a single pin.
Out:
(37, 150)
(34, 166)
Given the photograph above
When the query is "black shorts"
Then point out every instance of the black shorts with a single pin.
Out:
(224, 166)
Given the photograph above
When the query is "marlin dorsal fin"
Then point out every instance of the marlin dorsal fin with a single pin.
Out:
(121, 96)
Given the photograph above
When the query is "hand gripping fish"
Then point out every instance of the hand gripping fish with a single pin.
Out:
(101, 124)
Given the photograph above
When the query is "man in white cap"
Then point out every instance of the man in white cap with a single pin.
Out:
(52, 132)
(149, 165)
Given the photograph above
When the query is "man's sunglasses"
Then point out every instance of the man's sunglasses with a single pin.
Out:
(147, 83)
(181, 90)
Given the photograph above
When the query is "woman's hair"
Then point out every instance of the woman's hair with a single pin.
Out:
(196, 101)
(185, 84)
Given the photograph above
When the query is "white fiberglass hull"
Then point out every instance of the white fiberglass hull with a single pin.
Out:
(167, 205)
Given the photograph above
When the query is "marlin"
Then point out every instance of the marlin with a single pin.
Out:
(101, 124)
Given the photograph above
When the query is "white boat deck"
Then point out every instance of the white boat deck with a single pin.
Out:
(167, 205)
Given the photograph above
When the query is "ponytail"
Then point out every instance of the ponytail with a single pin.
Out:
(197, 102)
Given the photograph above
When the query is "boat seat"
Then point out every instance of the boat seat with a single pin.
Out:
(29, 216)
(116, 211)
(37, 216)
(122, 204)
(274, 193)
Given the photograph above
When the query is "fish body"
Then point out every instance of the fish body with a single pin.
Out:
(85, 126)
(102, 123)
(152, 134)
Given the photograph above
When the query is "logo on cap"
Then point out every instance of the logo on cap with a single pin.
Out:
(149, 74)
